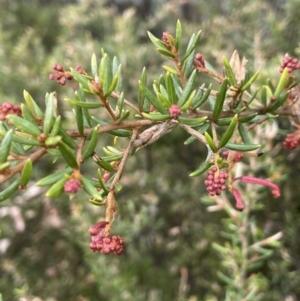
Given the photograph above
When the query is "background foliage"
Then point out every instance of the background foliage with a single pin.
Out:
(169, 233)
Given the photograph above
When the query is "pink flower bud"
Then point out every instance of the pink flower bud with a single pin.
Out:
(72, 186)
(58, 67)
(62, 81)
(254, 180)
(165, 39)
(199, 61)
(52, 76)
(238, 198)
(174, 111)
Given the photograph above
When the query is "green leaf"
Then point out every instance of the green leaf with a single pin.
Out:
(187, 89)
(26, 173)
(282, 82)
(170, 69)
(8, 191)
(152, 99)
(250, 82)
(54, 177)
(90, 148)
(229, 72)
(177, 85)
(17, 148)
(4, 166)
(123, 117)
(243, 133)
(157, 42)
(116, 68)
(57, 188)
(156, 116)
(100, 179)
(26, 114)
(223, 121)
(171, 88)
(199, 100)
(102, 163)
(88, 105)
(164, 92)
(192, 121)
(220, 99)
(112, 149)
(90, 189)
(163, 100)
(51, 104)
(5, 146)
(188, 103)
(112, 158)
(25, 141)
(203, 168)
(119, 132)
(114, 83)
(24, 125)
(141, 95)
(229, 132)
(83, 80)
(248, 118)
(105, 73)
(53, 141)
(166, 53)
(225, 279)
(252, 97)
(32, 105)
(120, 104)
(191, 47)
(279, 102)
(94, 65)
(242, 147)
(210, 142)
(79, 118)
(178, 36)
(221, 249)
(188, 64)
(68, 155)
(85, 111)
(56, 127)
(67, 139)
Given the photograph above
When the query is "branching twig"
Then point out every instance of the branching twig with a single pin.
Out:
(113, 126)
(211, 73)
(193, 132)
(79, 150)
(18, 168)
(127, 102)
(111, 195)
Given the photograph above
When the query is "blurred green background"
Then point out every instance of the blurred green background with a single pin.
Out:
(44, 244)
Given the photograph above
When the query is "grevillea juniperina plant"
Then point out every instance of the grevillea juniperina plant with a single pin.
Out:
(221, 114)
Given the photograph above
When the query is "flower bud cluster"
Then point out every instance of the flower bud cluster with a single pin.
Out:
(165, 38)
(235, 157)
(106, 176)
(8, 108)
(290, 63)
(61, 76)
(199, 61)
(72, 186)
(174, 111)
(215, 181)
(291, 141)
(105, 244)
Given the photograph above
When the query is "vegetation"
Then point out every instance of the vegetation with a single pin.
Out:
(103, 163)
